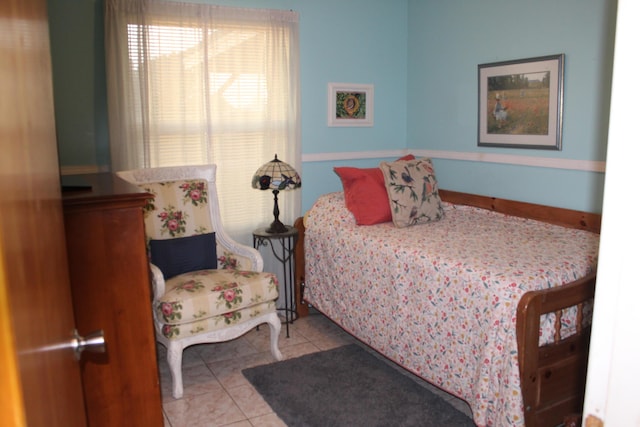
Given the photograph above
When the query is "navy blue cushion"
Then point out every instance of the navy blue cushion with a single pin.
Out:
(184, 254)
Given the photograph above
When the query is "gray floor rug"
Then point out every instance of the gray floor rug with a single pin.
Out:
(348, 386)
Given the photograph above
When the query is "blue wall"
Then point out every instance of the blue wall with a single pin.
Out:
(77, 57)
(421, 56)
(447, 41)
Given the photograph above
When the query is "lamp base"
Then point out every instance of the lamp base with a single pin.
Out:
(276, 227)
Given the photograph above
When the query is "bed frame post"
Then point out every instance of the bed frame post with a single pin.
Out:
(301, 306)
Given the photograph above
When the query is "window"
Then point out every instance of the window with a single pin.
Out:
(195, 84)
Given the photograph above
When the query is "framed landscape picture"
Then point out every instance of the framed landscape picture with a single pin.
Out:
(520, 103)
(350, 104)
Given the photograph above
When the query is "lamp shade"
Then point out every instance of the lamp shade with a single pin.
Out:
(276, 176)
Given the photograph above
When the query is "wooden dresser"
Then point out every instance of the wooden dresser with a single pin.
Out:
(110, 286)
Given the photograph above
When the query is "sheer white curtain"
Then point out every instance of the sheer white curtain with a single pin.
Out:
(195, 84)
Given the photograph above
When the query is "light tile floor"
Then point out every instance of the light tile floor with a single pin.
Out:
(217, 394)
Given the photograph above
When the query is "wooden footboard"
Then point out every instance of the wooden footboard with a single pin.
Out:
(552, 376)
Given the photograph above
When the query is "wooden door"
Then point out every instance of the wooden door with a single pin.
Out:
(41, 384)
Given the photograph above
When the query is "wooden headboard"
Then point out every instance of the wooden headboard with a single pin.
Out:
(558, 216)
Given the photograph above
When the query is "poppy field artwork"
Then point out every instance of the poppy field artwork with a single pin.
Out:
(520, 103)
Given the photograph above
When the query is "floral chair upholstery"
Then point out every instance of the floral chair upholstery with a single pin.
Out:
(206, 287)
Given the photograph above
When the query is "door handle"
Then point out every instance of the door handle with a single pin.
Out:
(94, 342)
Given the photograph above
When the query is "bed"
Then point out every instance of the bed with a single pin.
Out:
(491, 303)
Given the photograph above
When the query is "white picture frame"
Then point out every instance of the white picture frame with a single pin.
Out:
(350, 105)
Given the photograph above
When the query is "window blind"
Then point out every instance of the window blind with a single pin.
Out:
(195, 84)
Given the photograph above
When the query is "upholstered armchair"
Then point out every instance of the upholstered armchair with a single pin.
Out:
(207, 288)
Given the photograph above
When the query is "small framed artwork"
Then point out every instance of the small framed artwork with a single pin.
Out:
(350, 104)
(520, 103)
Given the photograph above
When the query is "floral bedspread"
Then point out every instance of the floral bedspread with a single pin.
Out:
(440, 298)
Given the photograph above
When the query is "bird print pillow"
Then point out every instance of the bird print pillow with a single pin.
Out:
(413, 191)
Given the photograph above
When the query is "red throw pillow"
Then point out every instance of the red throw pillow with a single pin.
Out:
(365, 194)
